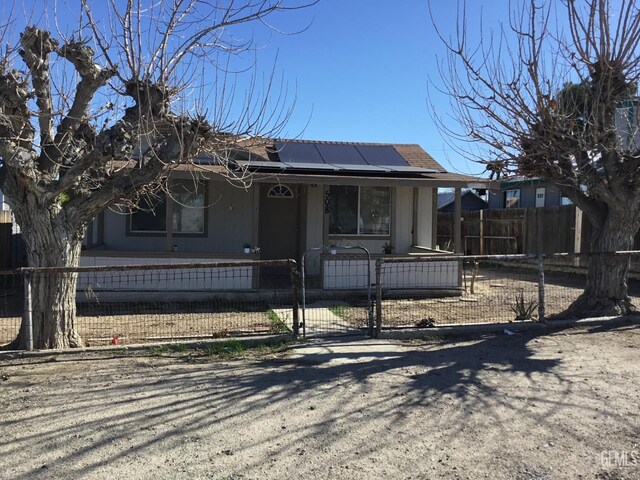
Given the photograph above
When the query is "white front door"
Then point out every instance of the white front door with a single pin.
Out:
(540, 194)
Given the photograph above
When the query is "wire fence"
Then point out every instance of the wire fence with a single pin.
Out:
(337, 290)
(341, 291)
(11, 304)
(153, 303)
(426, 292)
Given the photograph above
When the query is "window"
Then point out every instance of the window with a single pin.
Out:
(188, 210)
(541, 193)
(280, 191)
(512, 199)
(359, 210)
(151, 217)
(188, 206)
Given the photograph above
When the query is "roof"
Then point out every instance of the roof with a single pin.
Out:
(520, 181)
(447, 198)
(337, 157)
(339, 163)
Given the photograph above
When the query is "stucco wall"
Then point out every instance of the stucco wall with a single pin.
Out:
(424, 224)
(315, 215)
(403, 215)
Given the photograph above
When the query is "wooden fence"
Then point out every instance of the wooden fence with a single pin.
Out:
(517, 230)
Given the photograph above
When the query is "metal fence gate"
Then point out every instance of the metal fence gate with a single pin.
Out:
(337, 291)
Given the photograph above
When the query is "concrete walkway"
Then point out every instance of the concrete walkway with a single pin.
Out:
(319, 320)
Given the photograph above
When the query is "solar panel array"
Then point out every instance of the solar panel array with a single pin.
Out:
(338, 157)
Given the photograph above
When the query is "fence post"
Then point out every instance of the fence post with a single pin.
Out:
(28, 312)
(378, 297)
(541, 316)
(294, 295)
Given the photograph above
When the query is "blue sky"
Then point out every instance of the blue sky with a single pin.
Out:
(359, 69)
(362, 69)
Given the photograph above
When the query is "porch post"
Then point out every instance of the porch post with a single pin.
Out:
(577, 239)
(169, 221)
(457, 221)
(434, 217)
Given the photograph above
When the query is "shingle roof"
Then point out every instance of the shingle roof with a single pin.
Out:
(446, 198)
(418, 157)
(413, 154)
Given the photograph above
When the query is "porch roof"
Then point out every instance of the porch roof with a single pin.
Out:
(435, 179)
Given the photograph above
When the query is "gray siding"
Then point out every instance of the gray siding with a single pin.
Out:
(553, 197)
(229, 225)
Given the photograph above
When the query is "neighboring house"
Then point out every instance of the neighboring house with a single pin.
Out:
(301, 195)
(522, 192)
(628, 123)
(470, 201)
(6, 216)
(12, 249)
(3, 204)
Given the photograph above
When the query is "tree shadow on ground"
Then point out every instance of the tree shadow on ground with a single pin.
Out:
(83, 419)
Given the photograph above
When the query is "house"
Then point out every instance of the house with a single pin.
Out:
(297, 195)
(523, 192)
(471, 201)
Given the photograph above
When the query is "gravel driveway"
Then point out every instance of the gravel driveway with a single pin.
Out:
(564, 405)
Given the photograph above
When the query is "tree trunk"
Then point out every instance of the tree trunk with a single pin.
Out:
(605, 293)
(52, 241)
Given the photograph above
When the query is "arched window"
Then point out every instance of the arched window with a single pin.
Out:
(280, 191)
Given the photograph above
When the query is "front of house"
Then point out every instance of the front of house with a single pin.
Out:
(295, 196)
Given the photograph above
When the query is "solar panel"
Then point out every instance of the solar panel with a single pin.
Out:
(310, 166)
(410, 169)
(340, 154)
(297, 152)
(384, 155)
(362, 168)
(261, 164)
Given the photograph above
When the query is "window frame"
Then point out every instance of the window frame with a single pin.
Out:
(358, 234)
(169, 209)
(506, 197)
(277, 191)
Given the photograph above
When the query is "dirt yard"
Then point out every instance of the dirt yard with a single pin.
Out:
(560, 406)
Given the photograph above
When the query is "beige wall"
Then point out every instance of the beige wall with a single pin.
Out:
(403, 220)
(424, 224)
(315, 215)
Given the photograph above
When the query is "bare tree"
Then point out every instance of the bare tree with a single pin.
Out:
(552, 94)
(101, 115)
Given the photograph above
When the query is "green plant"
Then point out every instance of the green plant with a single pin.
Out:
(231, 349)
(246, 245)
(428, 322)
(387, 248)
(167, 348)
(277, 325)
(448, 246)
(524, 310)
(226, 349)
(338, 310)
